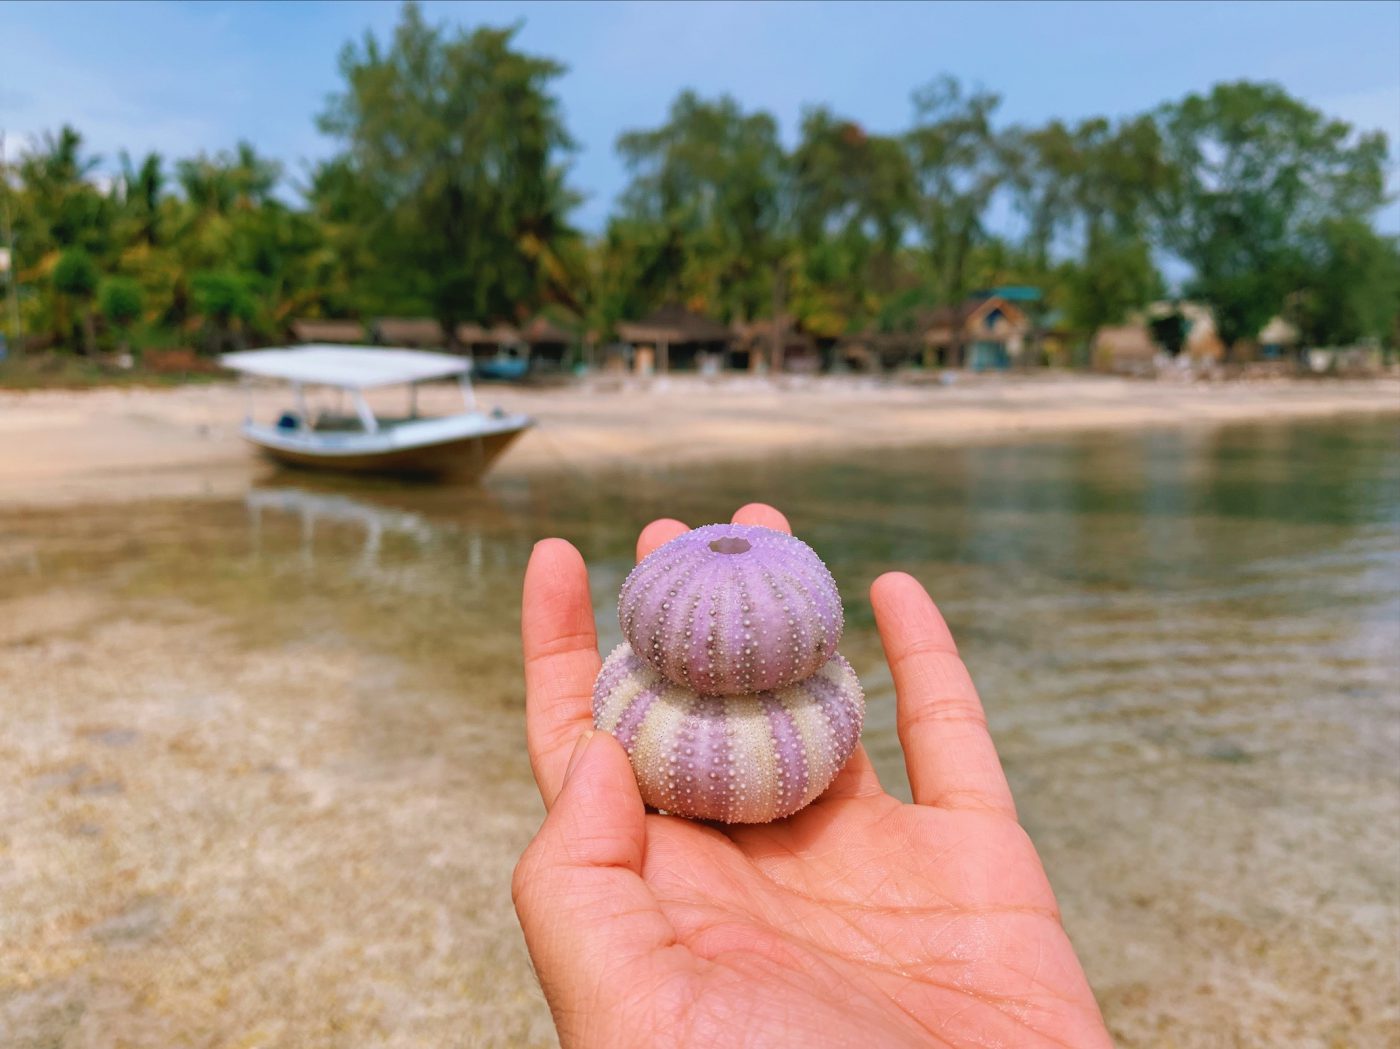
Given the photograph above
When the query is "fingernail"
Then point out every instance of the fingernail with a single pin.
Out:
(579, 748)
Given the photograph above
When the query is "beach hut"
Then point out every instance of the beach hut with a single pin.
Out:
(753, 342)
(872, 351)
(497, 352)
(336, 332)
(675, 339)
(409, 332)
(548, 344)
(1277, 339)
(986, 334)
(1124, 349)
(1203, 344)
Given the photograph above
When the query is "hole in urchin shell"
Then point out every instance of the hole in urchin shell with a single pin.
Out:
(730, 544)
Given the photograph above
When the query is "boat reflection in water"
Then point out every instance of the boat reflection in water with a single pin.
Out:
(313, 507)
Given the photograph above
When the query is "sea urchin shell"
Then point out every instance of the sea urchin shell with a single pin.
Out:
(732, 609)
(738, 759)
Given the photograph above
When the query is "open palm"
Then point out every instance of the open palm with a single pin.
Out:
(858, 921)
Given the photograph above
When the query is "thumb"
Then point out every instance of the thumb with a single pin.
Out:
(598, 820)
(578, 889)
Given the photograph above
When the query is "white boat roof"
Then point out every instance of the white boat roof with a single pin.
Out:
(350, 367)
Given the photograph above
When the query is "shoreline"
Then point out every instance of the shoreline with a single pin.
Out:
(120, 444)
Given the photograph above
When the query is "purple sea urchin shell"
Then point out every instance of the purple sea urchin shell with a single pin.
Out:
(732, 609)
(737, 759)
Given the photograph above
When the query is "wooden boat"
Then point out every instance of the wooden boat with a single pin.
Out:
(461, 446)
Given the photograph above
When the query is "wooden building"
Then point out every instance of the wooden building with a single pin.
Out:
(549, 344)
(1124, 349)
(336, 332)
(497, 352)
(753, 341)
(675, 339)
(876, 351)
(987, 334)
(408, 332)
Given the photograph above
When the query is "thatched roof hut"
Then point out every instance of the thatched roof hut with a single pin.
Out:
(1124, 348)
(543, 331)
(341, 332)
(753, 341)
(874, 350)
(678, 335)
(674, 325)
(496, 335)
(411, 332)
(1278, 332)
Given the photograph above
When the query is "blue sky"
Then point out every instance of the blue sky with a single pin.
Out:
(185, 77)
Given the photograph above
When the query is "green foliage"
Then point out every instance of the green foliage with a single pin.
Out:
(1115, 277)
(450, 186)
(854, 199)
(63, 209)
(226, 302)
(222, 297)
(953, 151)
(1253, 170)
(1352, 288)
(121, 301)
(710, 188)
(76, 274)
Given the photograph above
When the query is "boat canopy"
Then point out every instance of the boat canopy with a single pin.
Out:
(349, 367)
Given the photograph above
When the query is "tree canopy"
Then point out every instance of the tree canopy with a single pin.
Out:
(1255, 174)
(449, 195)
(451, 182)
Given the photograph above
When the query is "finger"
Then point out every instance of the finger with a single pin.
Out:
(947, 750)
(586, 913)
(764, 515)
(561, 659)
(658, 533)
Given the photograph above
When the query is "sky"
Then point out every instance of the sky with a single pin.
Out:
(181, 78)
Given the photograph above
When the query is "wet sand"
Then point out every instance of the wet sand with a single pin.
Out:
(71, 446)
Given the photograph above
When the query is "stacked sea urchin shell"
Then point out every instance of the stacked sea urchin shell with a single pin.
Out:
(728, 694)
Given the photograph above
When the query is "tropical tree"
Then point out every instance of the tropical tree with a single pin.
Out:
(120, 301)
(953, 149)
(853, 202)
(224, 301)
(65, 207)
(710, 187)
(1042, 168)
(75, 280)
(1351, 286)
(453, 148)
(1255, 170)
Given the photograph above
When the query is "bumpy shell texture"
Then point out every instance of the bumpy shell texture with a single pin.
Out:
(737, 759)
(732, 609)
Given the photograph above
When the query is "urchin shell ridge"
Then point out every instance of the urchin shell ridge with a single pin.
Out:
(732, 609)
(737, 759)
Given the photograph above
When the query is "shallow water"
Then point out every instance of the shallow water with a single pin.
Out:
(262, 781)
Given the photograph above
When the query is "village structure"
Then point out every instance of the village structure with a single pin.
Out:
(995, 330)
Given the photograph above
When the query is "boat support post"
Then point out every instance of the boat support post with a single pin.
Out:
(362, 409)
(299, 394)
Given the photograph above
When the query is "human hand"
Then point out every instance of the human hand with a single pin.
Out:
(859, 921)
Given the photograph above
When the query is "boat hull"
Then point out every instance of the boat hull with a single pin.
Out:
(463, 458)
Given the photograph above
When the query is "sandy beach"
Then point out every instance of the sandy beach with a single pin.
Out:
(116, 444)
